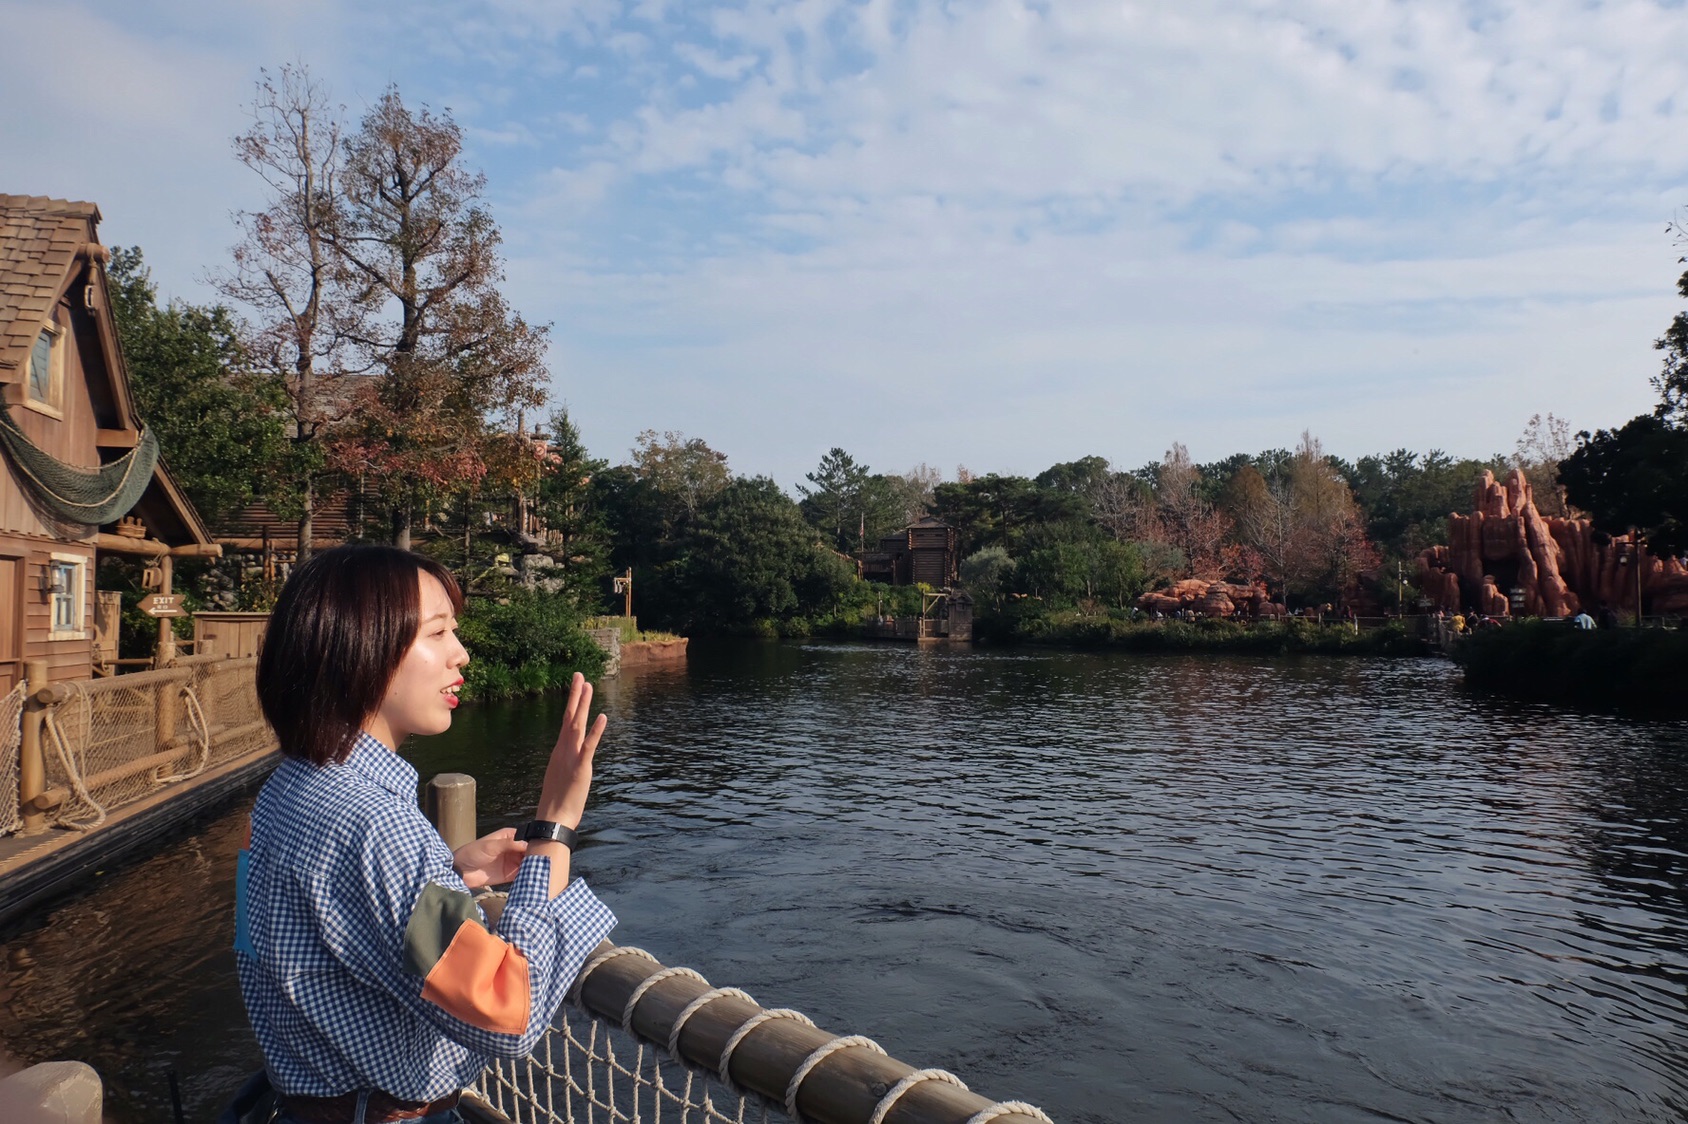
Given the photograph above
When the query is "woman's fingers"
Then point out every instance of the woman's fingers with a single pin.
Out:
(580, 698)
(577, 714)
(590, 745)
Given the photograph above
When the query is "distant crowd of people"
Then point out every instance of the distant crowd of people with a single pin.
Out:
(1475, 621)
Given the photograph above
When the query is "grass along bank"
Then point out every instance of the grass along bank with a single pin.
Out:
(1073, 628)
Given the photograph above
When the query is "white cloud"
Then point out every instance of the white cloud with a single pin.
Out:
(991, 231)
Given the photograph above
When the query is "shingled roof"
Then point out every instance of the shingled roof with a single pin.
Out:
(39, 240)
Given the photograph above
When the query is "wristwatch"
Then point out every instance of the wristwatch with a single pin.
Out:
(554, 832)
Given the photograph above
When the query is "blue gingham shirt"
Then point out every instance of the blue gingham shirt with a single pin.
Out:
(340, 855)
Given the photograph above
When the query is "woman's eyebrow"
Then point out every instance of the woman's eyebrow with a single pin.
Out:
(445, 616)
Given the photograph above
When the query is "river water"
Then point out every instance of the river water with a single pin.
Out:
(1125, 888)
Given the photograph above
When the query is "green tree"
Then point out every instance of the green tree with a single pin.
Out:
(753, 557)
(1082, 476)
(1069, 563)
(220, 424)
(1634, 477)
(1672, 380)
(985, 572)
(1407, 497)
(832, 502)
(683, 469)
(994, 510)
(577, 534)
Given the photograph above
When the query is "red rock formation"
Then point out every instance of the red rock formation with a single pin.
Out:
(1557, 563)
(1211, 599)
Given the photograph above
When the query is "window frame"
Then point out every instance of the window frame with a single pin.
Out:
(53, 404)
(75, 595)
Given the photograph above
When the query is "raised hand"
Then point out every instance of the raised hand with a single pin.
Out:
(568, 776)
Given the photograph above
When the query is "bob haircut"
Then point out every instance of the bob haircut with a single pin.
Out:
(339, 631)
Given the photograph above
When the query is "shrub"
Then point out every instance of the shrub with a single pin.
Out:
(524, 644)
(1606, 667)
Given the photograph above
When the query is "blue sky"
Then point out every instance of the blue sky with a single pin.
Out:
(995, 233)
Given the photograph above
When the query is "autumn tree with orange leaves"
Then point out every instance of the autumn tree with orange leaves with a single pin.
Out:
(453, 367)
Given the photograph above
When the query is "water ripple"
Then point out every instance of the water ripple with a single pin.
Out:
(1146, 889)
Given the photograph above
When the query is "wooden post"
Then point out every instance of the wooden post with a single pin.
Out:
(208, 698)
(32, 765)
(451, 805)
(166, 625)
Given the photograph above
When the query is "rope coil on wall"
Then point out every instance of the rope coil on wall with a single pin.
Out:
(70, 760)
(820, 1055)
(11, 744)
(895, 1092)
(202, 735)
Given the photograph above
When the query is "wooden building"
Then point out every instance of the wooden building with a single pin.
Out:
(81, 473)
(926, 551)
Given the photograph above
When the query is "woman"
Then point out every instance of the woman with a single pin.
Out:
(374, 986)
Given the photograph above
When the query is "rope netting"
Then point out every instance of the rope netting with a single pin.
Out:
(90, 732)
(110, 742)
(92, 496)
(225, 692)
(592, 1067)
(11, 741)
(588, 1071)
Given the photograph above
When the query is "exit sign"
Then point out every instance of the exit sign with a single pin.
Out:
(163, 605)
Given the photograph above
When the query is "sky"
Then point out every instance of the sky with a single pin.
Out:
(993, 233)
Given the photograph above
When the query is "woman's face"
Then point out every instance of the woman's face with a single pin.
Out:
(423, 692)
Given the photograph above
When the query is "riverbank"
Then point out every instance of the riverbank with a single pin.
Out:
(1292, 637)
(1629, 668)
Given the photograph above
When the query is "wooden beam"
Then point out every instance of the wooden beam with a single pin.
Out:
(286, 543)
(152, 548)
(123, 544)
(117, 438)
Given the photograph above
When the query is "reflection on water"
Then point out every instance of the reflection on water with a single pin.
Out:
(1171, 888)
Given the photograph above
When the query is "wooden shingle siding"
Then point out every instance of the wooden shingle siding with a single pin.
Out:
(52, 272)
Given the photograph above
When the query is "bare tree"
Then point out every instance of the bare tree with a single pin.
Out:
(1265, 523)
(286, 271)
(1125, 507)
(1302, 524)
(1190, 521)
(1545, 443)
(920, 485)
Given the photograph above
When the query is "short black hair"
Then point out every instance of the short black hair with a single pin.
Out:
(338, 633)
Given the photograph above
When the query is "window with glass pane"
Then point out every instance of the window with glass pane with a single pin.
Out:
(41, 367)
(66, 588)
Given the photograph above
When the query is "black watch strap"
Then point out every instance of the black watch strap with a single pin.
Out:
(546, 830)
